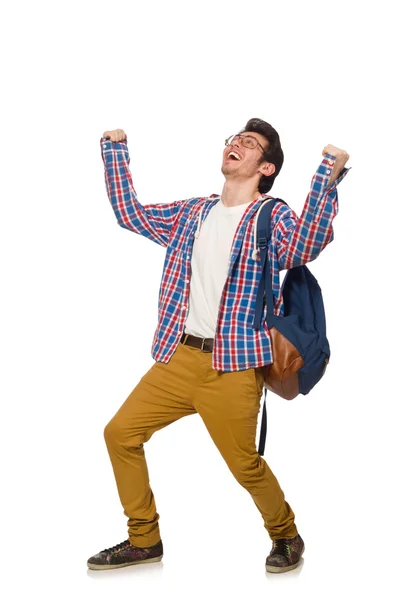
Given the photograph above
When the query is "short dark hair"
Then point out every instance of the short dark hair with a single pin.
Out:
(273, 153)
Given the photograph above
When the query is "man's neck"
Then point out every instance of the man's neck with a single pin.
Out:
(235, 192)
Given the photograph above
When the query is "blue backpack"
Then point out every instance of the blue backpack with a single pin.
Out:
(303, 324)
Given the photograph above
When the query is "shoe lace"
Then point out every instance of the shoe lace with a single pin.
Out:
(117, 547)
(281, 547)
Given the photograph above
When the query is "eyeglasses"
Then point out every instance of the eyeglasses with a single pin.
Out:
(246, 140)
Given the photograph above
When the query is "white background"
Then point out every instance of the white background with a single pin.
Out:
(79, 294)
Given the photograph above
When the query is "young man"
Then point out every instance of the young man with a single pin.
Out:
(208, 357)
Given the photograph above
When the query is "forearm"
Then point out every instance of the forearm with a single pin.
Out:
(300, 240)
(152, 221)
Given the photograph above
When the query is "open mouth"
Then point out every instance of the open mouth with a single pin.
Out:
(233, 156)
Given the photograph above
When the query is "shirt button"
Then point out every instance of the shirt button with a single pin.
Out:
(331, 162)
(328, 172)
(104, 145)
(183, 307)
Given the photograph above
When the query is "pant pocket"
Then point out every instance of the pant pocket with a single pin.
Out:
(259, 379)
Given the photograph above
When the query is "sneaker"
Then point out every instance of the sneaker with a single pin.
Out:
(285, 554)
(125, 554)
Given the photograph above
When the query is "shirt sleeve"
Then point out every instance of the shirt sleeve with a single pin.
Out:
(154, 221)
(300, 240)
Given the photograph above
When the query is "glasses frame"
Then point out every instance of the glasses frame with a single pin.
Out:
(239, 135)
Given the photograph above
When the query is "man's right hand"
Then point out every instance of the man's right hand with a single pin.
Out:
(117, 135)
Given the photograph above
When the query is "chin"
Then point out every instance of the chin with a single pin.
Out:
(226, 169)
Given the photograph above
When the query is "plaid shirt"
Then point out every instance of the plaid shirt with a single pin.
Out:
(295, 241)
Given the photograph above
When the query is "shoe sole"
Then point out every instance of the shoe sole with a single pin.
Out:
(135, 562)
(272, 569)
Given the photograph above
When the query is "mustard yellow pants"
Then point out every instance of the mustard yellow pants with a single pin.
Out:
(228, 403)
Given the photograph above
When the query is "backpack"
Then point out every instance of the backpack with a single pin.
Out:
(300, 346)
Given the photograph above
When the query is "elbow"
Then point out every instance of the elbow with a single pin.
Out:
(125, 224)
(298, 258)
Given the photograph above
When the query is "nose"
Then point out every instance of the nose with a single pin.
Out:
(235, 141)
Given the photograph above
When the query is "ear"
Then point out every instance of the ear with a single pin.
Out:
(267, 169)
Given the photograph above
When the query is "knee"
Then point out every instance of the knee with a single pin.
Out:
(112, 433)
(119, 434)
(248, 472)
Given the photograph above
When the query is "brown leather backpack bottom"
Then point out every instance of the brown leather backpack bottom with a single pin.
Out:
(281, 377)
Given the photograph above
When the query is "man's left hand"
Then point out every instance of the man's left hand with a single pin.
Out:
(341, 158)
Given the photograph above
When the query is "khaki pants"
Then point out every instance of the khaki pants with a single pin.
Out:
(228, 403)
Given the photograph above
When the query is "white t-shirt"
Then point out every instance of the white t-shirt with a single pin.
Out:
(210, 264)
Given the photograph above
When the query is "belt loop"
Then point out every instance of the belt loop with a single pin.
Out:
(203, 344)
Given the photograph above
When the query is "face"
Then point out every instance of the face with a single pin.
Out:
(244, 163)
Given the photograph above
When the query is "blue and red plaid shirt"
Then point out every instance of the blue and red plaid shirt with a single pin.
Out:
(295, 241)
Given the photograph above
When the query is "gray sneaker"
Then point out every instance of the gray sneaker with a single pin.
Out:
(285, 554)
(125, 554)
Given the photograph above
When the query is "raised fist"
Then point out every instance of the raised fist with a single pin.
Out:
(341, 158)
(117, 135)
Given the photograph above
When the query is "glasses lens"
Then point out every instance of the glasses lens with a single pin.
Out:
(249, 142)
(246, 140)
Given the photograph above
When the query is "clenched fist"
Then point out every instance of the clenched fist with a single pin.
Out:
(117, 135)
(341, 158)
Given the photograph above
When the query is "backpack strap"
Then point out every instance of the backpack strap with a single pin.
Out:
(262, 435)
(265, 291)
